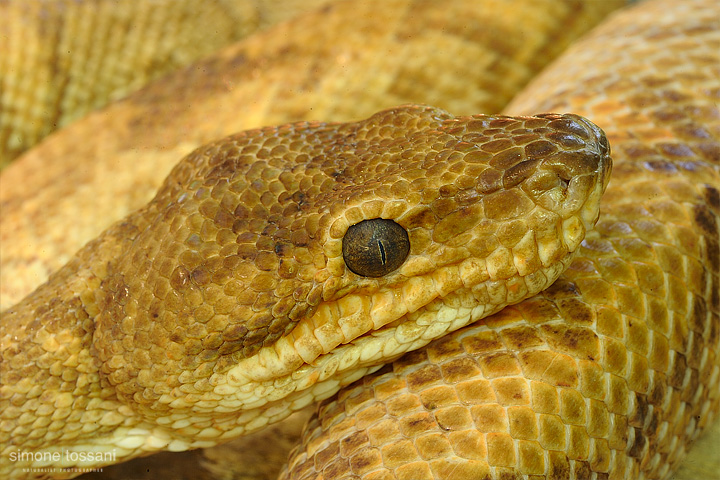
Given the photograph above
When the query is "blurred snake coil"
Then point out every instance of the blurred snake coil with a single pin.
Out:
(454, 291)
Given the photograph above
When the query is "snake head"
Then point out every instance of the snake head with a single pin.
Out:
(279, 264)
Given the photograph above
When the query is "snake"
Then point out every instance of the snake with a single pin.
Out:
(59, 60)
(608, 373)
(611, 371)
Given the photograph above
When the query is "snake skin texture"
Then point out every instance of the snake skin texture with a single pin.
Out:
(612, 371)
(61, 59)
(295, 72)
(596, 414)
(227, 303)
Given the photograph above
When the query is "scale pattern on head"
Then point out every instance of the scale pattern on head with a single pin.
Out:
(245, 239)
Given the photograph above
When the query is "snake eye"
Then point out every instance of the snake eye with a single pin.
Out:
(373, 248)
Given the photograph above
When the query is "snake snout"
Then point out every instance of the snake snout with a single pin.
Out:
(580, 135)
(570, 180)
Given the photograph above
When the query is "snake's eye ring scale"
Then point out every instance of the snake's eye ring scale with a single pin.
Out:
(376, 247)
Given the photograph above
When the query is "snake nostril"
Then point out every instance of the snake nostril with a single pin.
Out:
(564, 182)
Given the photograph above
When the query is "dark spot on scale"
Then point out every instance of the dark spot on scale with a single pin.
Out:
(710, 151)
(420, 217)
(676, 150)
(559, 466)
(518, 173)
(582, 469)
(423, 377)
(408, 360)
(705, 219)
(363, 459)
(354, 441)
(299, 197)
(324, 456)
(673, 95)
(692, 131)
(200, 276)
(176, 337)
(677, 371)
(637, 418)
(238, 60)
(154, 310)
(661, 166)
(221, 171)
(713, 254)
(281, 249)
(562, 289)
(712, 197)
(636, 449)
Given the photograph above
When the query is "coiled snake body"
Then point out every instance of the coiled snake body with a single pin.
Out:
(607, 374)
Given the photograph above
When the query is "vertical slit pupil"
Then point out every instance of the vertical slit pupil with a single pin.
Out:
(375, 247)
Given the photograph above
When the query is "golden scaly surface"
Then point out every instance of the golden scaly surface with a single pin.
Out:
(61, 59)
(226, 304)
(45, 205)
(615, 369)
(319, 67)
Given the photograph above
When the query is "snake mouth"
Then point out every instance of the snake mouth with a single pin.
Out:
(359, 332)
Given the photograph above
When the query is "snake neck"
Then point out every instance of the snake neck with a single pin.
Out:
(48, 336)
